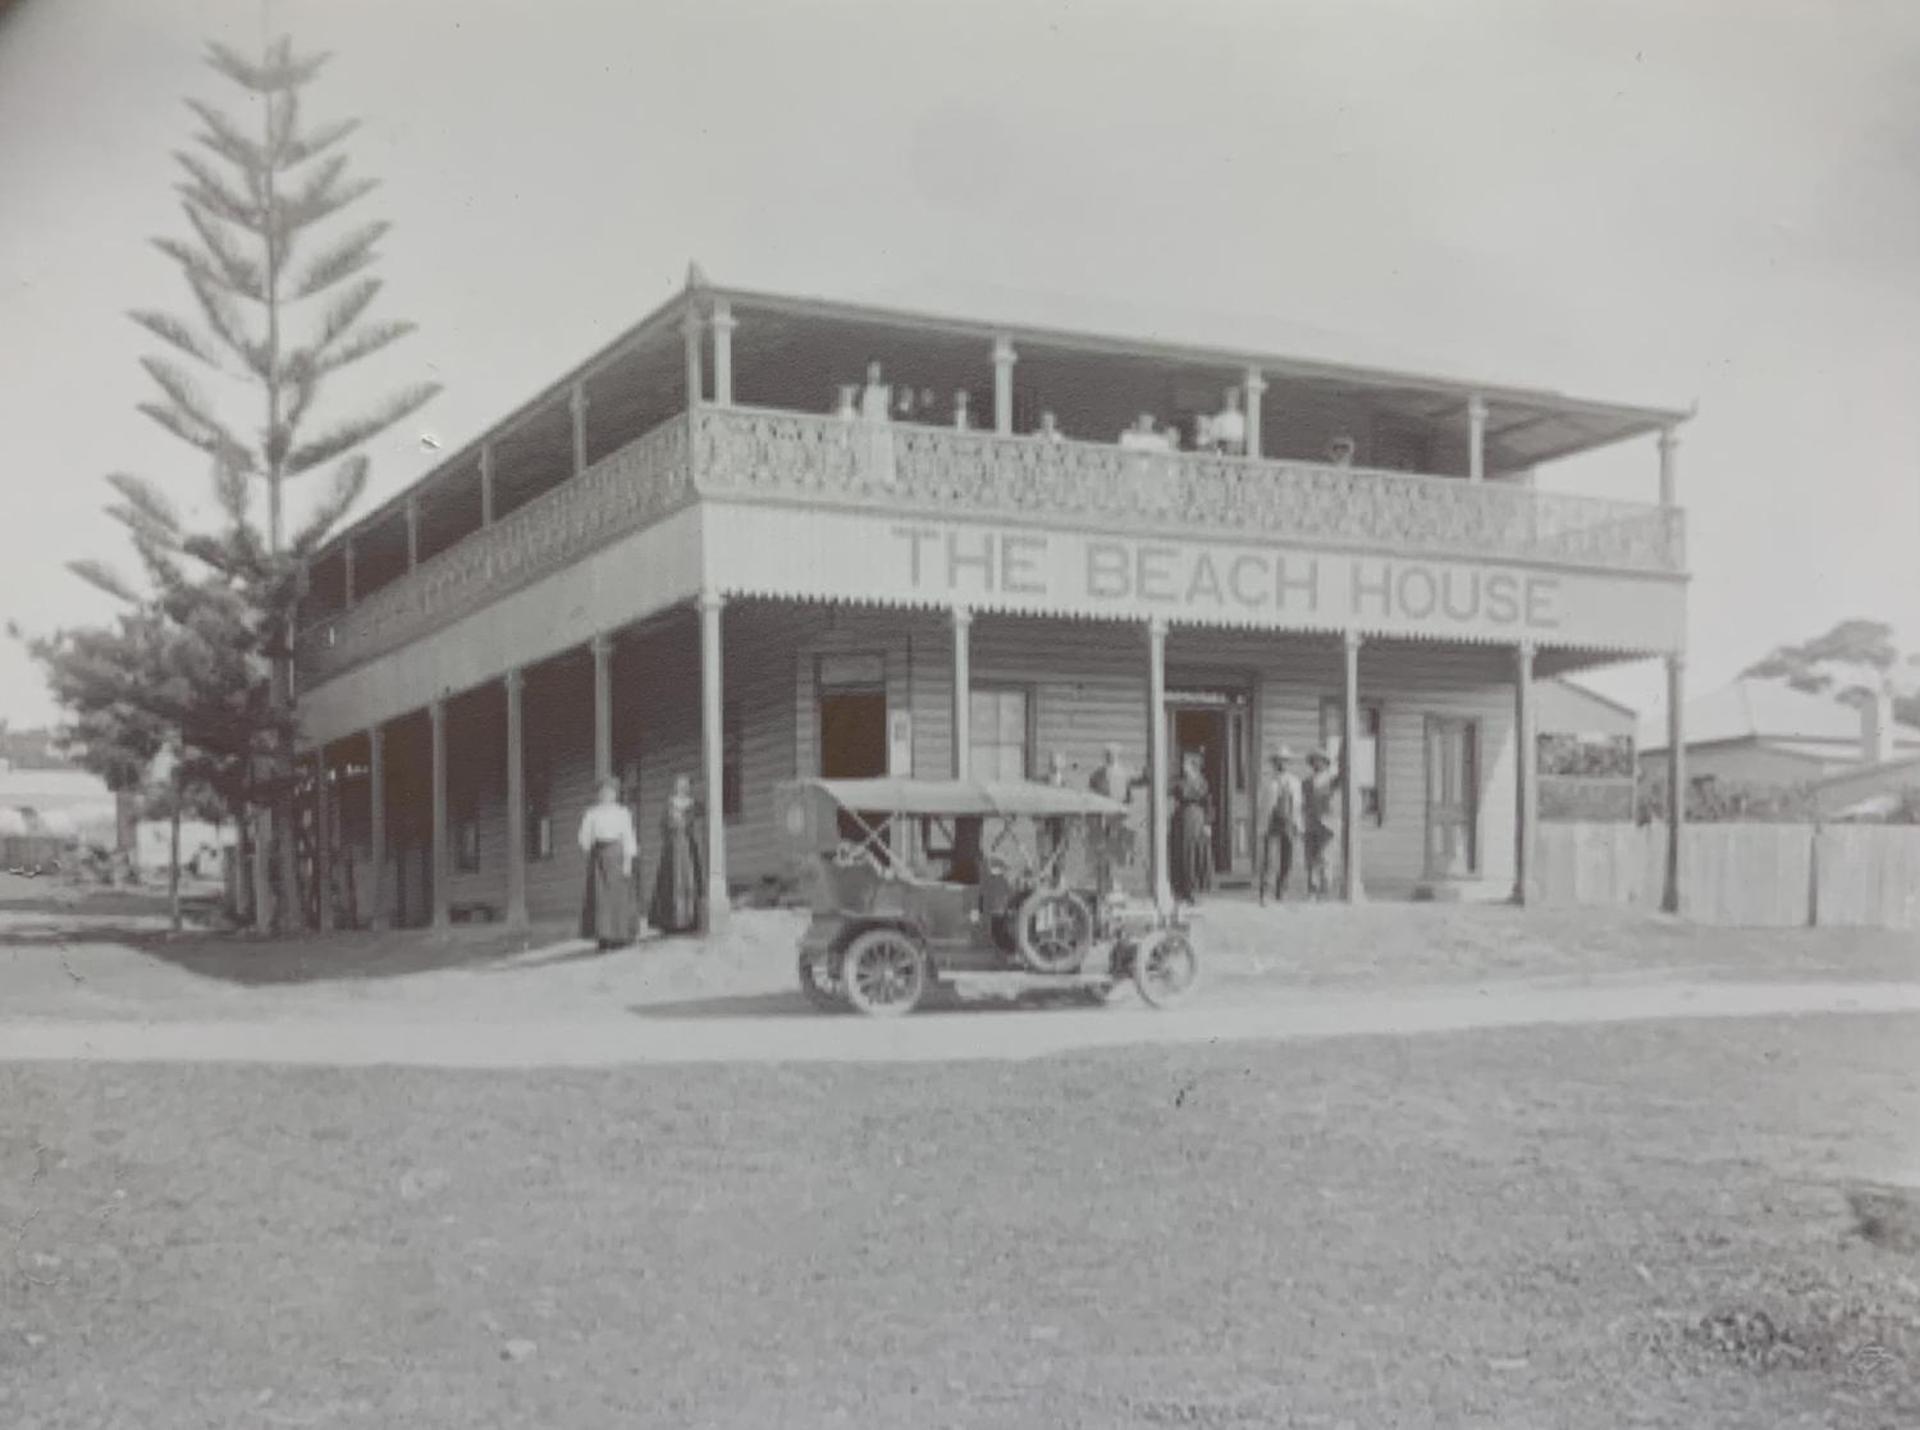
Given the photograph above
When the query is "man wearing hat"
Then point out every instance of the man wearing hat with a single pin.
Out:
(1283, 829)
(1317, 791)
(1116, 781)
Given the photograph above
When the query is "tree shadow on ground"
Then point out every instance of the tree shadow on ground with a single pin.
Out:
(793, 1003)
(256, 962)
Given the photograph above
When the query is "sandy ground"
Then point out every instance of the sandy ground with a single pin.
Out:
(1678, 1225)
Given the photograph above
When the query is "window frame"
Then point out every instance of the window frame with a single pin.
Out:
(1030, 717)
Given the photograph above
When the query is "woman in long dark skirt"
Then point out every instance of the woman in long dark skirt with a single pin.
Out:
(1191, 863)
(680, 881)
(607, 911)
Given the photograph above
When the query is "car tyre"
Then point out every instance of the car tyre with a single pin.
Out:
(885, 973)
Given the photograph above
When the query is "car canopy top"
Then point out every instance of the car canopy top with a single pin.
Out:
(954, 798)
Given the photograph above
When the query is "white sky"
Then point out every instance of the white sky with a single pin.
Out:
(1681, 200)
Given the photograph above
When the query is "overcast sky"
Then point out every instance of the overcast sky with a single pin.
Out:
(1688, 200)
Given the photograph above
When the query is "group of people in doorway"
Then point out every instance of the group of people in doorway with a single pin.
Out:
(1223, 432)
(610, 908)
(1300, 822)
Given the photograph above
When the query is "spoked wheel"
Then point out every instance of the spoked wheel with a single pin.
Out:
(1053, 931)
(817, 981)
(1166, 968)
(884, 972)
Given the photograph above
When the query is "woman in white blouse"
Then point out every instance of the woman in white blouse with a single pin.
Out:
(607, 838)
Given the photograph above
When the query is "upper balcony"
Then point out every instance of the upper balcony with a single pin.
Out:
(615, 449)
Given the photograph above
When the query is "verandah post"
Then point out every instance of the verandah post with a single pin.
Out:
(1352, 886)
(1526, 782)
(1159, 780)
(962, 693)
(377, 826)
(1676, 782)
(442, 905)
(712, 735)
(515, 683)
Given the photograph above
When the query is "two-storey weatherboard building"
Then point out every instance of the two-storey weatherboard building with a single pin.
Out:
(705, 552)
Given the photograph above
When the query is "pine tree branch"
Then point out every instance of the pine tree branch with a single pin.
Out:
(280, 69)
(103, 577)
(210, 192)
(225, 138)
(240, 272)
(144, 497)
(188, 403)
(349, 482)
(225, 320)
(364, 342)
(343, 260)
(349, 435)
(213, 443)
(298, 150)
(325, 193)
(170, 329)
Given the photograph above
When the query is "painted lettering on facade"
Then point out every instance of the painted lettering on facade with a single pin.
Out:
(1204, 581)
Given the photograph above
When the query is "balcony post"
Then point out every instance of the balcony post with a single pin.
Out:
(515, 681)
(486, 484)
(413, 532)
(723, 326)
(1669, 466)
(323, 838)
(690, 330)
(1476, 438)
(1004, 357)
(713, 760)
(347, 573)
(577, 407)
(1676, 781)
(1256, 384)
(442, 904)
(377, 827)
(1352, 886)
(1526, 782)
(962, 693)
(1159, 779)
(602, 648)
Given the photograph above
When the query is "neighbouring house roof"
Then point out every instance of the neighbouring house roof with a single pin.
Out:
(1774, 713)
(1896, 773)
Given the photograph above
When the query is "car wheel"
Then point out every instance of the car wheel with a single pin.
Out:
(1166, 968)
(1053, 930)
(884, 973)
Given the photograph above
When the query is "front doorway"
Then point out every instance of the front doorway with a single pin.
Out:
(853, 734)
(1218, 724)
(1453, 798)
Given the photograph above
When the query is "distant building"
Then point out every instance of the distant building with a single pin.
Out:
(63, 803)
(1760, 734)
(1587, 753)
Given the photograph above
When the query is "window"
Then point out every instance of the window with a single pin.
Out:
(1367, 765)
(732, 760)
(1001, 736)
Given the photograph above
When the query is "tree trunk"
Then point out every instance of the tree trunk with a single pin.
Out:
(173, 862)
(293, 908)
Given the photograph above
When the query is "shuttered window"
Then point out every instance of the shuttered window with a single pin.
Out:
(1001, 746)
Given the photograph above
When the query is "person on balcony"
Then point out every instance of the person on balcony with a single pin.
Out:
(1191, 862)
(608, 840)
(846, 407)
(1049, 429)
(962, 418)
(1340, 450)
(1143, 437)
(876, 396)
(679, 881)
(1226, 430)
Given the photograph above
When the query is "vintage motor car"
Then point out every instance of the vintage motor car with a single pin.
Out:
(914, 883)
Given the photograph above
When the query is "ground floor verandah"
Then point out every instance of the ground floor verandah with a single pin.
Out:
(470, 806)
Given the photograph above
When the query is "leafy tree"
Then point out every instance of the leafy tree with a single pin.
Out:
(210, 637)
(1851, 661)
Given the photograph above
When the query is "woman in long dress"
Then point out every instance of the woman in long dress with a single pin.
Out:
(1192, 861)
(678, 884)
(607, 838)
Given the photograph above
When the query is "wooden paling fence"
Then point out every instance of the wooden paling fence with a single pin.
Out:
(1754, 875)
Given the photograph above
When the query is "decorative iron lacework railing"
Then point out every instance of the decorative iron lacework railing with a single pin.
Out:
(835, 460)
(622, 492)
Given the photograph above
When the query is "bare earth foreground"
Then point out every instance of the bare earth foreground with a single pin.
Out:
(1676, 1223)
